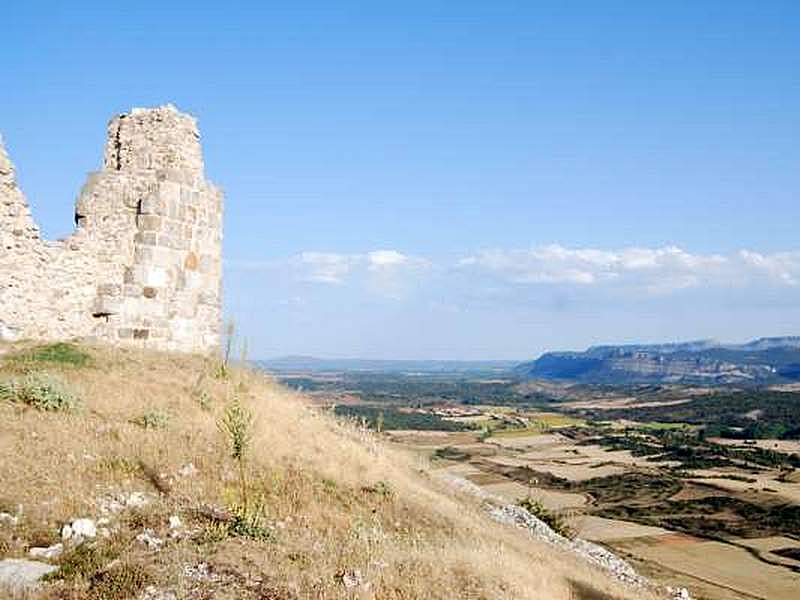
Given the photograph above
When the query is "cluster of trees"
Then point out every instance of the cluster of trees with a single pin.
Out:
(752, 414)
(697, 516)
(690, 448)
(411, 390)
(387, 419)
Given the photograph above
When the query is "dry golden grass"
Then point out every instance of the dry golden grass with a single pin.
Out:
(335, 499)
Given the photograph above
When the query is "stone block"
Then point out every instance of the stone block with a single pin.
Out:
(106, 305)
(148, 222)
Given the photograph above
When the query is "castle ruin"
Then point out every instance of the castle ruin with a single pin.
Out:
(144, 264)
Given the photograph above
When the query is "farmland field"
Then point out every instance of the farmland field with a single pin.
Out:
(654, 473)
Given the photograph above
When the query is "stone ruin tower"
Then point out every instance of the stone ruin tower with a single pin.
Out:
(143, 266)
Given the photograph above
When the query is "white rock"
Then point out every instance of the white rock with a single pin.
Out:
(8, 518)
(187, 470)
(149, 538)
(175, 522)
(351, 579)
(84, 528)
(151, 592)
(8, 334)
(19, 575)
(66, 532)
(136, 499)
(53, 551)
(200, 572)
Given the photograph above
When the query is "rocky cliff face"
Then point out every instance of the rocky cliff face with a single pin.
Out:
(767, 360)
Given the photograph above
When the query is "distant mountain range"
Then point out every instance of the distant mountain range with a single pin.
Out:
(762, 361)
(311, 364)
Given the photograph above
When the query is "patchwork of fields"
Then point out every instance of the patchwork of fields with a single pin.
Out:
(695, 486)
(536, 465)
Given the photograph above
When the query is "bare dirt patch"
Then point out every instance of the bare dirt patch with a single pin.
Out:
(720, 564)
(599, 529)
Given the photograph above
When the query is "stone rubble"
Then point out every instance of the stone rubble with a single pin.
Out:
(187, 470)
(78, 531)
(604, 559)
(114, 503)
(151, 592)
(9, 519)
(19, 576)
(48, 553)
(351, 579)
(149, 539)
(200, 572)
(679, 593)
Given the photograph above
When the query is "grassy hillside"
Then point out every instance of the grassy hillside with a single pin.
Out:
(316, 508)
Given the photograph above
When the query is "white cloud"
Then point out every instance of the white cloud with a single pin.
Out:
(385, 267)
(386, 258)
(654, 270)
(324, 267)
(783, 267)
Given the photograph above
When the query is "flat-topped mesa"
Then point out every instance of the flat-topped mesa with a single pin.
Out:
(144, 265)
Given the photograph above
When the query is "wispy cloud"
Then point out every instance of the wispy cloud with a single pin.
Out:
(335, 268)
(324, 267)
(655, 270)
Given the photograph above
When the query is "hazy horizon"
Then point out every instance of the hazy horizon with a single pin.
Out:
(450, 181)
(333, 357)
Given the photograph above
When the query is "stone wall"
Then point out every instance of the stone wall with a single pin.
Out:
(144, 263)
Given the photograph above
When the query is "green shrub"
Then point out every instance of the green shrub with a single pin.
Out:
(249, 523)
(236, 425)
(85, 560)
(41, 391)
(60, 353)
(554, 520)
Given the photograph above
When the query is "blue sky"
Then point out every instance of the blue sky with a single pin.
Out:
(450, 179)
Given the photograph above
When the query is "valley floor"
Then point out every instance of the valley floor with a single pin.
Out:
(536, 465)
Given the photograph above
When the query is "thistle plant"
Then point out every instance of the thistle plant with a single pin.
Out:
(223, 370)
(236, 425)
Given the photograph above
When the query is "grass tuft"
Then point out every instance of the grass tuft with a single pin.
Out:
(84, 561)
(125, 580)
(249, 523)
(153, 419)
(41, 391)
(61, 353)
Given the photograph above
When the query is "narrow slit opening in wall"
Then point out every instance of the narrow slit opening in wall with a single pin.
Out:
(118, 143)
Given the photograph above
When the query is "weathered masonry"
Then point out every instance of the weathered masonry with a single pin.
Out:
(144, 263)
